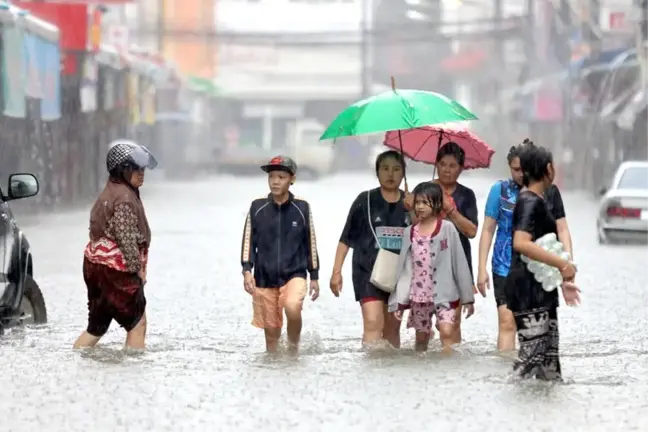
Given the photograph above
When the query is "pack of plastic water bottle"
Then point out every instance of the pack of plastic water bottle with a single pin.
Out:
(548, 276)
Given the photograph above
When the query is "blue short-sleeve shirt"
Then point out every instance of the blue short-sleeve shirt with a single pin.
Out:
(499, 206)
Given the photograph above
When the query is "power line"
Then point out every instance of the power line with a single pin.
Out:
(509, 28)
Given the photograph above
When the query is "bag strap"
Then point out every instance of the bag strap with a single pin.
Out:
(369, 219)
(503, 190)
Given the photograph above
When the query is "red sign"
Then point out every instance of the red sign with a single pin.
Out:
(71, 19)
(616, 20)
(464, 61)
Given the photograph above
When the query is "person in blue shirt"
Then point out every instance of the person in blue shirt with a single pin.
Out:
(499, 215)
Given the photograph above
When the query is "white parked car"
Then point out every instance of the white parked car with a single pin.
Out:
(623, 210)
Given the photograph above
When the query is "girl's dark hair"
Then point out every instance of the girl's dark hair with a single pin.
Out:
(432, 193)
(452, 149)
(534, 161)
(515, 151)
(390, 154)
(512, 154)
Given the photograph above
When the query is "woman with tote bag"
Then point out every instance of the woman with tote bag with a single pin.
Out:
(374, 230)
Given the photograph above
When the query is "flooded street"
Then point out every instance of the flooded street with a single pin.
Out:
(205, 368)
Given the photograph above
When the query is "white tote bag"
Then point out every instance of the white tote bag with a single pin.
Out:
(384, 274)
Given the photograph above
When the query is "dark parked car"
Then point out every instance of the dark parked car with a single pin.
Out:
(21, 300)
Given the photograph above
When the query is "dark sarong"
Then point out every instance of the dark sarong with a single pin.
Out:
(112, 295)
(539, 344)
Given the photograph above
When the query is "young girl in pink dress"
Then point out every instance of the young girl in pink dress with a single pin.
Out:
(434, 277)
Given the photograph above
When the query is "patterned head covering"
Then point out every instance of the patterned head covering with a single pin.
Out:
(123, 152)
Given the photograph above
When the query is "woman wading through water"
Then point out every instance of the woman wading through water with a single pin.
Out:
(114, 264)
(534, 309)
(375, 214)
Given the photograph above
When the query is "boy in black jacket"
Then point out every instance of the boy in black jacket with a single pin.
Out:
(279, 248)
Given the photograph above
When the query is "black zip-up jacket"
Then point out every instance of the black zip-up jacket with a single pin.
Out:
(279, 242)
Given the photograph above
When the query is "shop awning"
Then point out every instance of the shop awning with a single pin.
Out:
(110, 56)
(10, 14)
(637, 105)
(613, 109)
(605, 61)
(596, 59)
(151, 65)
(623, 59)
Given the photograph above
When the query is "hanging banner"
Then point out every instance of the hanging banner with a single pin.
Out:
(33, 85)
(109, 90)
(49, 60)
(89, 84)
(133, 98)
(13, 77)
(149, 105)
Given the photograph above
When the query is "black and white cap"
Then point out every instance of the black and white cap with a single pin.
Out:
(123, 152)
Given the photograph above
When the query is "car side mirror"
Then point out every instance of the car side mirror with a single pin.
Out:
(22, 186)
(602, 191)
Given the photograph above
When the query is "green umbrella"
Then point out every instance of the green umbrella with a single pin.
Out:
(396, 110)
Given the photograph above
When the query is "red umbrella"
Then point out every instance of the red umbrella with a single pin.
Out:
(422, 144)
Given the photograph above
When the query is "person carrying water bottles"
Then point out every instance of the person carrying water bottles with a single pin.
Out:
(279, 248)
(434, 277)
(534, 309)
(499, 213)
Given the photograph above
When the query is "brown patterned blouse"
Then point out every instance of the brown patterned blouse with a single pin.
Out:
(123, 229)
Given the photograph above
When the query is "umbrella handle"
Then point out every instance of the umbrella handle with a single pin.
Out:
(438, 148)
(400, 140)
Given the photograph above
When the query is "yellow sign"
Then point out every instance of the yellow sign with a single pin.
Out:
(149, 105)
(133, 98)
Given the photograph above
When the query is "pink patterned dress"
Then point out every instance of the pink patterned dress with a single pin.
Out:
(423, 308)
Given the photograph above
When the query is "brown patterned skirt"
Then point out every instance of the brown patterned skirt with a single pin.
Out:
(112, 294)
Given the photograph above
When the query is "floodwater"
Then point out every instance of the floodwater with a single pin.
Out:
(205, 368)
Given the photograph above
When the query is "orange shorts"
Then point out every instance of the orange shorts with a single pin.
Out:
(269, 303)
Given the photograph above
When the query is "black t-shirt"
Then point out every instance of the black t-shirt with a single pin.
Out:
(387, 219)
(555, 202)
(532, 215)
(466, 203)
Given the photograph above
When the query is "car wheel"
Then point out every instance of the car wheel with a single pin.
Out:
(32, 306)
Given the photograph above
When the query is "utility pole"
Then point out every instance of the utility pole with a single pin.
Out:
(529, 39)
(565, 37)
(499, 56)
(365, 52)
(161, 25)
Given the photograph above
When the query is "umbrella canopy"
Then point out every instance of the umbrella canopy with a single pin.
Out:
(422, 144)
(396, 109)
